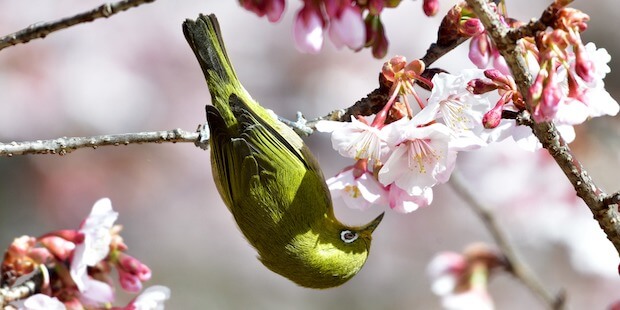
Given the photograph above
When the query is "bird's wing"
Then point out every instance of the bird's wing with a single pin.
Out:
(258, 167)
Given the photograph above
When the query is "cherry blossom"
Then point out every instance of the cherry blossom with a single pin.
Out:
(42, 302)
(461, 279)
(94, 248)
(152, 298)
(357, 188)
(419, 156)
(356, 139)
(455, 106)
(401, 201)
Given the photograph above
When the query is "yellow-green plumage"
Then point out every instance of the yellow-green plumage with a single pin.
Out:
(270, 181)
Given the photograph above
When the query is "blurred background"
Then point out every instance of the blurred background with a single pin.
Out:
(134, 72)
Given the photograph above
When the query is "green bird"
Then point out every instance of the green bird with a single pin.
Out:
(269, 179)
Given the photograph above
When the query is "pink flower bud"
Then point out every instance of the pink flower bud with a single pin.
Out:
(129, 282)
(535, 91)
(59, 247)
(493, 117)
(40, 255)
(347, 28)
(479, 51)
(272, 8)
(308, 30)
(499, 62)
(471, 27)
(549, 104)
(70, 235)
(134, 266)
(430, 7)
(480, 86)
(496, 76)
(584, 67)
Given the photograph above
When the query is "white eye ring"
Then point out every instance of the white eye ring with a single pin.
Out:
(348, 236)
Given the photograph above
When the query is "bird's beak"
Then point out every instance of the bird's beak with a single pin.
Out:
(373, 225)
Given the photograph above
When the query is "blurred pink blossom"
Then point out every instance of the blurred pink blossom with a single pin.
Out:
(308, 30)
(346, 27)
(42, 302)
(152, 298)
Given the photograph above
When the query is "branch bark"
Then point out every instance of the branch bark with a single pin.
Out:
(65, 145)
(606, 214)
(41, 30)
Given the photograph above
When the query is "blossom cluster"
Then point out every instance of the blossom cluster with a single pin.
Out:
(407, 149)
(76, 264)
(568, 87)
(352, 23)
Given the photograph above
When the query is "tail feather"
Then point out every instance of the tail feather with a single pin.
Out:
(205, 39)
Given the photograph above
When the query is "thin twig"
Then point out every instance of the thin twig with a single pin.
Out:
(516, 266)
(41, 30)
(547, 19)
(62, 146)
(30, 286)
(606, 215)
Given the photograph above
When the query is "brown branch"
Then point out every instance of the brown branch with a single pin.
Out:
(515, 265)
(30, 286)
(613, 199)
(547, 19)
(606, 215)
(41, 30)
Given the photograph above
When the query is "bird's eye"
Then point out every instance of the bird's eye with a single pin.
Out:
(348, 236)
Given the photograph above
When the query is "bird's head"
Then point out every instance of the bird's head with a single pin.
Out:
(325, 256)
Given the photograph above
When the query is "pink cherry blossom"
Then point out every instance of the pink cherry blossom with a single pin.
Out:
(403, 202)
(356, 139)
(357, 191)
(95, 292)
(449, 272)
(129, 282)
(444, 270)
(461, 111)
(419, 156)
(94, 248)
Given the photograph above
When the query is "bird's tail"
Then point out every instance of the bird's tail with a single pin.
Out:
(205, 39)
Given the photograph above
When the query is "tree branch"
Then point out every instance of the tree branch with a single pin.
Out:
(41, 30)
(516, 266)
(62, 146)
(606, 215)
(30, 286)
